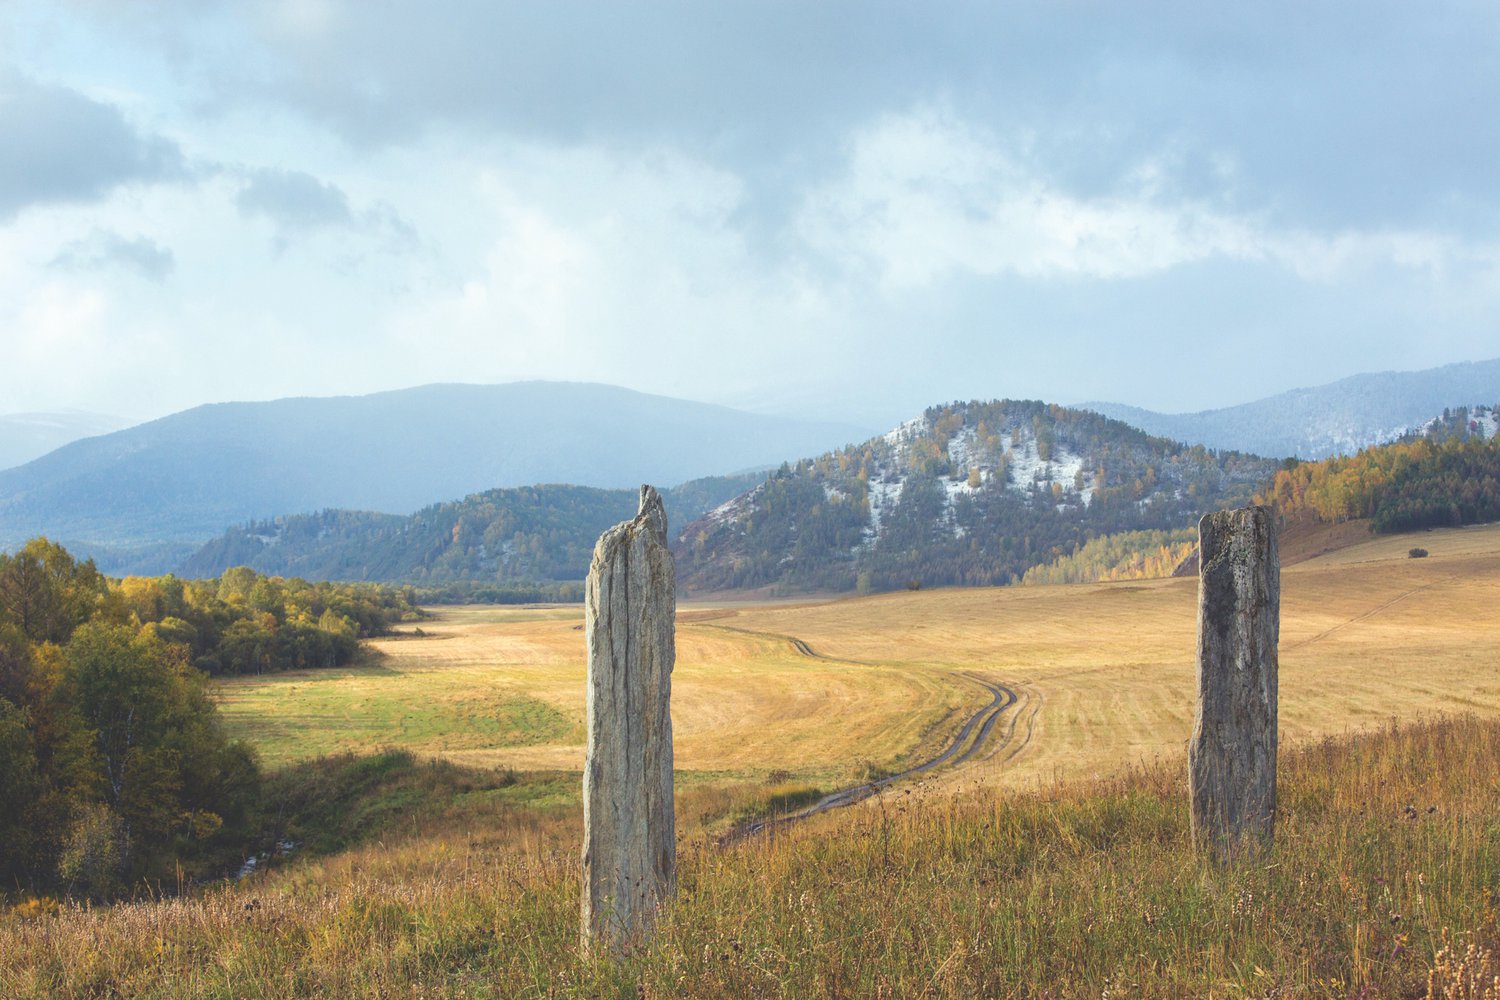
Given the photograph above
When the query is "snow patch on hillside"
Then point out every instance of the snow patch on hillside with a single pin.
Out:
(1028, 468)
(1483, 422)
(908, 431)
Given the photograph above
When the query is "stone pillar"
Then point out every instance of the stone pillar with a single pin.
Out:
(629, 846)
(1232, 756)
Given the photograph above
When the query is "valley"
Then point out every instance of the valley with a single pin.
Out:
(829, 689)
(430, 861)
(813, 500)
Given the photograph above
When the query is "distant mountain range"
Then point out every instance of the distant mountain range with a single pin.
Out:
(973, 493)
(143, 498)
(1339, 418)
(25, 436)
(967, 493)
(147, 498)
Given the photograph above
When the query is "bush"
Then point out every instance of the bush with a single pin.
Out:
(1417, 554)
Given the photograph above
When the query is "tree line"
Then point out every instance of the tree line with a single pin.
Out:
(507, 540)
(1419, 483)
(114, 767)
(1126, 555)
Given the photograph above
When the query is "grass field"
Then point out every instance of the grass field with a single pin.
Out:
(1106, 672)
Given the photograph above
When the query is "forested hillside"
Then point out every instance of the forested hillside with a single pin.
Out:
(1449, 476)
(504, 536)
(969, 493)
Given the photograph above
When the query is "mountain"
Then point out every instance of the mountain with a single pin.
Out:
(24, 436)
(140, 497)
(526, 534)
(968, 493)
(1338, 418)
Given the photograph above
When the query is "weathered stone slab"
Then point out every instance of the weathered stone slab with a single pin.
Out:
(1232, 755)
(629, 846)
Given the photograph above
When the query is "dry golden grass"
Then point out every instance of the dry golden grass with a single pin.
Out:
(1366, 634)
(1106, 671)
(1381, 884)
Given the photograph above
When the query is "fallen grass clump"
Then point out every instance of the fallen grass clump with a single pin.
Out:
(1382, 883)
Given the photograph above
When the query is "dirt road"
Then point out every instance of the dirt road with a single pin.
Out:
(974, 736)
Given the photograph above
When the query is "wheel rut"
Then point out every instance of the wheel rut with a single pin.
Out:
(975, 736)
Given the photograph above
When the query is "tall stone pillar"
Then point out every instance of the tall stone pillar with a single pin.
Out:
(629, 847)
(1232, 756)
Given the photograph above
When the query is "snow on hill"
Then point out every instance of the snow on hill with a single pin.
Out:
(966, 493)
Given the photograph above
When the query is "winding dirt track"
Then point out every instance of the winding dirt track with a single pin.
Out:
(971, 738)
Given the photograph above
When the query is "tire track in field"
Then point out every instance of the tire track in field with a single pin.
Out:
(974, 735)
(1368, 614)
(800, 647)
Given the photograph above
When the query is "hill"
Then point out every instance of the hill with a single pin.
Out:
(25, 436)
(526, 534)
(141, 499)
(1445, 477)
(1339, 418)
(968, 493)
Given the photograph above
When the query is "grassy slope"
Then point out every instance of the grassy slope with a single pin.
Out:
(1387, 847)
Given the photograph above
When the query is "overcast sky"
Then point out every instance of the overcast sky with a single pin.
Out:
(824, 208)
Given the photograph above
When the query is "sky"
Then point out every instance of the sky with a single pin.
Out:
(833, 209)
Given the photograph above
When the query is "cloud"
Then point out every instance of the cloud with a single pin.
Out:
(295, 201)
(863, 203)
(1334, 114)
(105, 249)
(61, 146)
(927, 196)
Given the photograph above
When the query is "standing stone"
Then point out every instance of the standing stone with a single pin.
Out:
(629, 846)
(1232, 756)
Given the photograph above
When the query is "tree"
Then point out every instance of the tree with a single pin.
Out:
(168, 773)
(20, 786)
(46, 593)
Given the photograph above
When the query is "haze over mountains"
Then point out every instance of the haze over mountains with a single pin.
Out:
(25, 436)
(1339, 418)
(144, 498)
(165, 486)
(972, 493)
